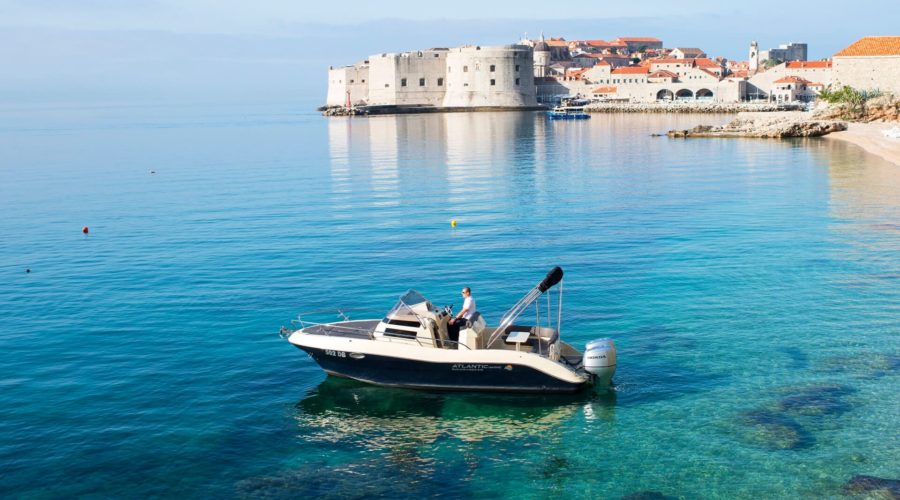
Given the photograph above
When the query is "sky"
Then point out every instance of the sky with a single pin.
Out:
(277, 51)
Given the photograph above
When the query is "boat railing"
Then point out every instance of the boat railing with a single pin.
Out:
(302, 321)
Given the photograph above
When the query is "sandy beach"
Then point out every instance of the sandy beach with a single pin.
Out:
(869, 137)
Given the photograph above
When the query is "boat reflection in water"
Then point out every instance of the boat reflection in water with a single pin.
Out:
(346, 412)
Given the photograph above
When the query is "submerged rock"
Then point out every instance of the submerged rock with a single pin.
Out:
(774, 430)
(817, 401)
(367, 479)
(863, 366)
(647, 495)
(883, 488)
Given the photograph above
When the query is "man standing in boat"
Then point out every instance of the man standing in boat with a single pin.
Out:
(467, 313)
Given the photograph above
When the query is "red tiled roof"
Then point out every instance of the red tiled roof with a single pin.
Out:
(703, 62)
(808, 64)
(631, 70)
(690, 50)
(605, 90)
(872, 46)
(792, 79)
(741, 73)
(576, 72)
(638, 39)
(602, 63)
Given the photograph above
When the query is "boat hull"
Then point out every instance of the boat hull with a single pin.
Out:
(446, 376)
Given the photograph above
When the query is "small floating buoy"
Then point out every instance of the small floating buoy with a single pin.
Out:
(85, 230)
(28, 270)
(153, 172)
(453, 223)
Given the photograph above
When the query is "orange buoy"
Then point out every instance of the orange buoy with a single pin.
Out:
(85, 230)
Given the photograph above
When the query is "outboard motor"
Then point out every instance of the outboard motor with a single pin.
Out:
(600, 360)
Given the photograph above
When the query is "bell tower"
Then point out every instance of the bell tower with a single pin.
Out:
(753, 61)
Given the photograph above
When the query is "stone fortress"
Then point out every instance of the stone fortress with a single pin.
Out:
(468, 77)
(625, 70)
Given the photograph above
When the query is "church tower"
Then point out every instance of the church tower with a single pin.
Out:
(541, 58)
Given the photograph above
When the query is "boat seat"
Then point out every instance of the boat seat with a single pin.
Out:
(473, 319)
(439, 332)
(553, 337)
(536, 343)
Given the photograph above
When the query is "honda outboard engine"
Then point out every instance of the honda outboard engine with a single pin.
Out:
(600, 360)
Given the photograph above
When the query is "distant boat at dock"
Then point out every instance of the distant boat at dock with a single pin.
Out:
(568, 111)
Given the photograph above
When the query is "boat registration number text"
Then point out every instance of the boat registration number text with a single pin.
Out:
(337, 354)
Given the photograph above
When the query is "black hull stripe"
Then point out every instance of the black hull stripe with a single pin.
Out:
(416, 374)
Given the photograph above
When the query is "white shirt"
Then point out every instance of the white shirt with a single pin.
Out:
(469, 307)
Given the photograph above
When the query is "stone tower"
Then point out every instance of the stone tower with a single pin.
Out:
(541, 58)
(753, 61)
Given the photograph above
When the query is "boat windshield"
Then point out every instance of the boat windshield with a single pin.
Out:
(407, 301)
(412, 297)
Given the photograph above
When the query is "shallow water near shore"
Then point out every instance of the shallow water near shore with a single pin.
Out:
(752, 287)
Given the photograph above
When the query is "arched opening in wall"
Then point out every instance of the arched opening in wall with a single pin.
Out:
(665, 95)
(704, 94)
(684, 95)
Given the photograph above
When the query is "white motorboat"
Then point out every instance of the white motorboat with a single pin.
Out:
(410, 347)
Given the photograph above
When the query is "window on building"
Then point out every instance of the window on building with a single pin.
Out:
(440, 82)
(351, 81)
(493, 68)
(403, 82)
(362, 81)
(465, 69)
(493, 82)
(421, 82)
(517, 67)
(386, 85)
(517, 81)
(465, 85)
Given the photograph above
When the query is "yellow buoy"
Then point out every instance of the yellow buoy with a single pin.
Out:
(453, 223)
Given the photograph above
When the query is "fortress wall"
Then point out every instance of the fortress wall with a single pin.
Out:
(353, 78)
(471, 83)
(868, 73)
(409, 78)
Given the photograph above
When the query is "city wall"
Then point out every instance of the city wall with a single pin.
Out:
(868, 73)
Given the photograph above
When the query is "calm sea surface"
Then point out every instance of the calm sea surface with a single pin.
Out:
(752, 286)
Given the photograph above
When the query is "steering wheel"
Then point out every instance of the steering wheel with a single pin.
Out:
(448, 310)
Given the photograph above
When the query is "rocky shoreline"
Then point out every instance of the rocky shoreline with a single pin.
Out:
(687, 107)
(771, 125)
(341, 111)
(650, 107)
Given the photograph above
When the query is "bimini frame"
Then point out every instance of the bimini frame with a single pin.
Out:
(553, 277)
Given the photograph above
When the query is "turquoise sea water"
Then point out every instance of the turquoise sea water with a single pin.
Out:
(752, 286)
